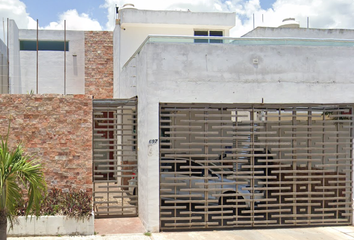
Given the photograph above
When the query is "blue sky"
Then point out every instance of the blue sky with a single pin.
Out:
(265, 4)
(47, 11)
(100, 14)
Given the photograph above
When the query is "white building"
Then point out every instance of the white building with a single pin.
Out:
(300, 69)
(50, 69)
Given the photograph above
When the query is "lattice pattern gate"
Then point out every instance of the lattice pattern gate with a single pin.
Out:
(235, 166)
(115, 158)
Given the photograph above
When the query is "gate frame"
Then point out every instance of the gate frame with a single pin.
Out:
(257, 105)
(115, 103)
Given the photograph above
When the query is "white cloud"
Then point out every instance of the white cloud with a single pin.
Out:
(74, 21)
(195, 5)
(322, 13)
(14, 9)
(243, 8)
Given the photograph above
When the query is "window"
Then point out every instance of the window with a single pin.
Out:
(31, 45)
(208, 33)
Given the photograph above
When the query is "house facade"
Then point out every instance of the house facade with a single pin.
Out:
(271, 98)
(199, 130)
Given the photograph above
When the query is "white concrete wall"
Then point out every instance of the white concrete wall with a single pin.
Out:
(116, 62)
(225, 73)
(51, 226)
(165, 17)
(129, 86)
(14, 58)
(301, 33)
(4, 80)
(135, 25)
(51, 64)
(132, 37)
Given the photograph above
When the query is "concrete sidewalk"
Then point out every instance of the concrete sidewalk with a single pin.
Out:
(317, 233)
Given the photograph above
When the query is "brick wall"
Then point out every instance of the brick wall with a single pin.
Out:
(58, 130)
(99, 64)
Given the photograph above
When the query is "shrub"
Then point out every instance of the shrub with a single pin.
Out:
(73, 204)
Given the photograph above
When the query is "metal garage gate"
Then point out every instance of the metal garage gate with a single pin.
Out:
(115, 157)
(236, 166)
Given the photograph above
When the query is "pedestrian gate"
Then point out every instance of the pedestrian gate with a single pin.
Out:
(236, 166)
(115, 157)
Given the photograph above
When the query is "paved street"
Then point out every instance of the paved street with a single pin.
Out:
(133, 229)
(319, 233)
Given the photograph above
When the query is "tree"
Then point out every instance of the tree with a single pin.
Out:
(19, 173)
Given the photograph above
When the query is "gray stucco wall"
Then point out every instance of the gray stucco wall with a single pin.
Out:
(195, 72)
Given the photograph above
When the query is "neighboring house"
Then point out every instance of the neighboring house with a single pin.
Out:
(23, 56)
(82, 71)
(54, 127)
(228, 132)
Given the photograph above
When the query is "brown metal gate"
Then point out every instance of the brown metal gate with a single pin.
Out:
(115, 158)
(236, 166)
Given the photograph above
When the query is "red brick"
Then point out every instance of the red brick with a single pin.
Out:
(48, 128)
(99, 64)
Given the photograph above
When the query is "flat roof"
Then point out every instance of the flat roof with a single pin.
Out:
(273, 32)
(133, 16)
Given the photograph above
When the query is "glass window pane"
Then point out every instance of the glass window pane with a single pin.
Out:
(216, 33)
(200, 33)
(31, 45)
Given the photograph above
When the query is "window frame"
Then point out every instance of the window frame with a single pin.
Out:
(43, 45)
(210, 33)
